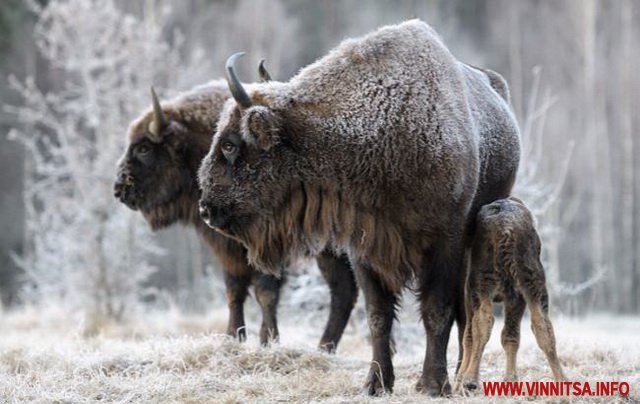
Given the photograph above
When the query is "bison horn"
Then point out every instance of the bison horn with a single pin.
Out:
(237, 91)
(262, 71)
(159, 120)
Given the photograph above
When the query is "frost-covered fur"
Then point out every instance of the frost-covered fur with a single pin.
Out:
(383, 148)
(157, 175)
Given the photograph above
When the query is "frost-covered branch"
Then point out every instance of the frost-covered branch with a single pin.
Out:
(540, 193)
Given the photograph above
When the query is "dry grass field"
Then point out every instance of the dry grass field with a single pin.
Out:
(168, 357)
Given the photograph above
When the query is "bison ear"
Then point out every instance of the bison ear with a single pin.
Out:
(261, 126)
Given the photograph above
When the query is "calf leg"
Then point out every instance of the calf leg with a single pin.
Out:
(543, 331)
(513, 310)
(380, 304)
(267, 289)
(461, 323)
(237, 290)
(344, 293)
(467, 340)
(481, 330)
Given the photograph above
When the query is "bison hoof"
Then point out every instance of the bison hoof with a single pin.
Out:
(433, 388)
(471, 385)
(511, 378)
(240, 333)
(376, 385)
(466, 383)
(328, 347)
(268, 336)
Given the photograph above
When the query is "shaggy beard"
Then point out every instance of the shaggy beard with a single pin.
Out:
(181, 208)
(316, 216)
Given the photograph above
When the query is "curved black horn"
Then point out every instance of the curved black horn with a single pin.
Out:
(235, 86)
(160, 121)
(262, 71)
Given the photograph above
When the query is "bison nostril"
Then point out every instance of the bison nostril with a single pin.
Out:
(214, 216)
(118, 190)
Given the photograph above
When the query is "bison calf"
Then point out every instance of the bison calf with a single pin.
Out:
(505, 266)
(157, 175)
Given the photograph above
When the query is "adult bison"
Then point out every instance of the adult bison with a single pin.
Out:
(385, 148)
(157, 175)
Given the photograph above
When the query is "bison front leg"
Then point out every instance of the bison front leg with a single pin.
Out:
(237, 290)
(380, 305)
(344, 293)
(267, 288)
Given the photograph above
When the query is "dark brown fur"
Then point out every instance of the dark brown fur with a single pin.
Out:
(505, 266)
(313, 216)
(161, 183)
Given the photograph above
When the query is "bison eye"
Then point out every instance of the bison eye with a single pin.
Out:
(228, 148)
(143, 149)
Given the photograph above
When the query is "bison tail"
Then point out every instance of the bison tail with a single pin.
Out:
(498, 83)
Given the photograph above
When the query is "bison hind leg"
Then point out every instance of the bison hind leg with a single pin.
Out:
(267, 290)
(439, 290)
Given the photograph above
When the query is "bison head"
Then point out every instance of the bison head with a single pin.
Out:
(157, 172)
(248, 174)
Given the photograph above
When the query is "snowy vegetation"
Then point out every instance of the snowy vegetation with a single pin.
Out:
(170, 358)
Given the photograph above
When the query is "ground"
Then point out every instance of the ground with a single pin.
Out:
(170, 357)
